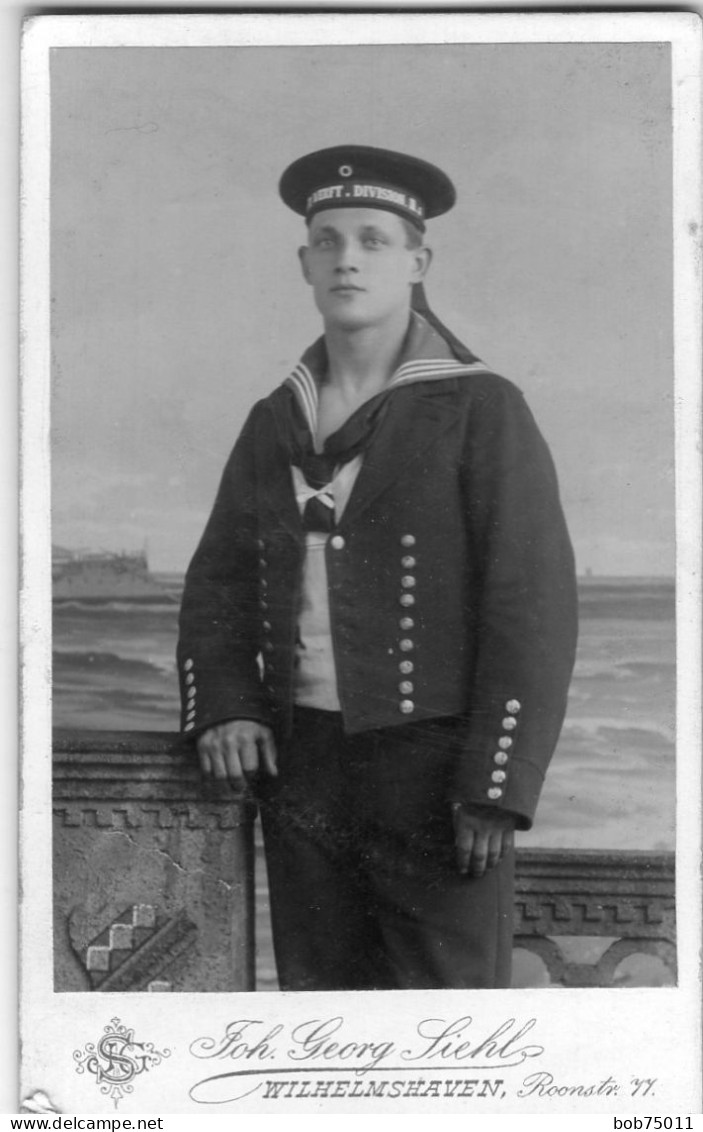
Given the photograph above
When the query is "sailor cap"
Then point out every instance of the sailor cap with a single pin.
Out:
(361, 176)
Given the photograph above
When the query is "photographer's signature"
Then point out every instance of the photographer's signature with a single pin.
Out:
(262, 1050)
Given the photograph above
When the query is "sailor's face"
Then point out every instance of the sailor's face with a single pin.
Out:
(359, 265)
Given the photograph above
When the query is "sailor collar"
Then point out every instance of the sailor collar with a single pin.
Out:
(426, 356)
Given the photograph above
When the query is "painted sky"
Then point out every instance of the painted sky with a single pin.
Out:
(176, 293)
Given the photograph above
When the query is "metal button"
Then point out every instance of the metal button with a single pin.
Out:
(406, 667)
(407, 581)
(266, 626)
(189, 727)
(188, 665)
(337, 542)
(190, 717)
(498, 776)
(494, 793)
(406, 645)
(406, 623)
(505, 744)
(407, 599)
(191, 693)
(509, 723)
(513, 706)
(500, 758)
(408, 540)
(263, 563)
(268, 646)
(190, 678)
(406, 706)
(260, 543)
(405, 687)
(263, 583)
(263, 605)
(407, 562)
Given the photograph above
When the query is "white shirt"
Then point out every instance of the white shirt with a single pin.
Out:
(315, 674)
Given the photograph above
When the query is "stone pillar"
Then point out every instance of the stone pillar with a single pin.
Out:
(153, 871)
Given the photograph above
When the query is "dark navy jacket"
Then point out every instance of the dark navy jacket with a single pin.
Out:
(454, 528)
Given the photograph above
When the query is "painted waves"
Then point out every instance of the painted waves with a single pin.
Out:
(611, 784)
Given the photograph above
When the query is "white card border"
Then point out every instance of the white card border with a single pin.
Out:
(676, 1007)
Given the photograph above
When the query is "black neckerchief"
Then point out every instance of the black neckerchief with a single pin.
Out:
(341, 446)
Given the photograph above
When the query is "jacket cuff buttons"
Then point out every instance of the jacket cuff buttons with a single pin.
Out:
(500, 758)
(189, 680)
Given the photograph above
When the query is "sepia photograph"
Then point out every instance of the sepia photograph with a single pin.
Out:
(358, 552)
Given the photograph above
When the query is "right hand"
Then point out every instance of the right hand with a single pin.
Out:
(481, 838)
(230, 751)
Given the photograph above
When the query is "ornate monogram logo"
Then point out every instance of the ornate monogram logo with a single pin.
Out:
(117, 1060)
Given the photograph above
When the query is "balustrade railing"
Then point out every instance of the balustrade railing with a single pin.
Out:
(154, 882)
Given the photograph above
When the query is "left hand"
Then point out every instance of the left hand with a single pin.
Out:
(481, 838)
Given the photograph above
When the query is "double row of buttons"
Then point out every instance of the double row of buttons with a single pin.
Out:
(406, 623)
(505, 742)
(191, 694)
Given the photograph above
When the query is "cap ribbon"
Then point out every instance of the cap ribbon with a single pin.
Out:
(363, 193)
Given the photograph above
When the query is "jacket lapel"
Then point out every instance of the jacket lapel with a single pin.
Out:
(280, 498)
(416, 421)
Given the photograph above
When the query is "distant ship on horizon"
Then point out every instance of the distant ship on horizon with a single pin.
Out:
(102, 576)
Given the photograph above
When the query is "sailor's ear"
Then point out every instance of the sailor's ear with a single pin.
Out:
(303, 257)
(422, 260)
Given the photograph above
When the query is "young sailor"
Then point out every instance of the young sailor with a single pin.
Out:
(378, 627)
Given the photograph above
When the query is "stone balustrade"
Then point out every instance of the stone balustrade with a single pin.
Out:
(585, 913)
(154, 882)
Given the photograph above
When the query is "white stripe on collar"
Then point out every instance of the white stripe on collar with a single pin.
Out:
(434, 369)
(421, 369)
(305, 387)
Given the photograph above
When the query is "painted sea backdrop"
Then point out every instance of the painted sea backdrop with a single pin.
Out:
(611, 783)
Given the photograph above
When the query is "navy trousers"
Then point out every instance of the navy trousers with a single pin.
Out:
(365, 893)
